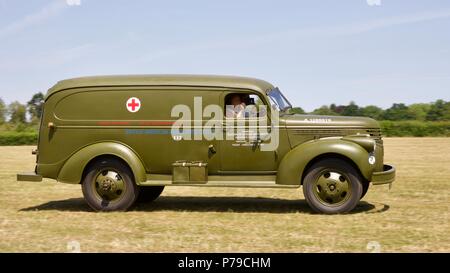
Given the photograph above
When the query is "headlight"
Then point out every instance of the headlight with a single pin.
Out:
(372, 159)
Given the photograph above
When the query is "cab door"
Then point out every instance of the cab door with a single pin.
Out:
(240, 149)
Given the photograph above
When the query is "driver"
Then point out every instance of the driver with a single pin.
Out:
(237, 107)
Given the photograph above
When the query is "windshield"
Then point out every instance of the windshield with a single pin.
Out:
(278, 101)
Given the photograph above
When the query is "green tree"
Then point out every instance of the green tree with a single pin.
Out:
(297, 110)
(446, 115)
(351, 110)
(419, 111)
(334, 108)
(2, 111)
(372, 111)
(398, 111)
(324, 110)
(17, 112)
(440, 110)
(338, 109)
(35, 106)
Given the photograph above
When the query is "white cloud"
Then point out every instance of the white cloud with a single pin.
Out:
(394, 21)
(37, 17)
(66, 55)
(295, 34)
(359, 27)
(50, 59)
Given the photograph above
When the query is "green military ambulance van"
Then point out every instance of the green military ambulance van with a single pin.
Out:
(124, 138)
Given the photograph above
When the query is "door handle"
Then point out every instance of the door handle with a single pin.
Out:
(51, 125)
(212, 149)
(256, 141)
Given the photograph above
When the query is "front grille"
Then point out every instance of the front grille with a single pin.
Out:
(375, 133)
(321, 132)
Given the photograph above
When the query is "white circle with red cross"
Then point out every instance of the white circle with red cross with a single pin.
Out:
(133, 105)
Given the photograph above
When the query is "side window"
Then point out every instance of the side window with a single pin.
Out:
(242, 105)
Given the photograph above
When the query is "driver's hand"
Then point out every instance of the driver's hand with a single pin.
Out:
(240, 106)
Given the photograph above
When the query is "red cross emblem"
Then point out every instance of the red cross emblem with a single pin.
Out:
(133, 105)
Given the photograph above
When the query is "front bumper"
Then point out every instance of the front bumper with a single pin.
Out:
(29, 177)
(387, 176)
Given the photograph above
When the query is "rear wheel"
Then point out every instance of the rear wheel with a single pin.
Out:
(332, 186)
(109, 186)
(149, 193)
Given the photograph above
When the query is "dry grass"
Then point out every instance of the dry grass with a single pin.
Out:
(412, 217)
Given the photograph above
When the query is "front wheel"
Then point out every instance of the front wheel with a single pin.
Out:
(365, 189)
(109, 186)
(332, 186)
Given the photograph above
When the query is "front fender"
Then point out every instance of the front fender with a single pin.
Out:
(292, 166)
(73, 168)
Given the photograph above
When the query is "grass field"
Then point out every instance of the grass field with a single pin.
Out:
(411, 217)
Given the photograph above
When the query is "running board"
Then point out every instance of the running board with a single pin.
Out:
(248, 181)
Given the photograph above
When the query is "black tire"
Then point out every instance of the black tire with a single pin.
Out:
(365, 188)
(109, 186)
(149, 193)
(332, 186)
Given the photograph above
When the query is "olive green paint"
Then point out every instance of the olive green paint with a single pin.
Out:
(293, 165)
(73, 169)
(85, 118)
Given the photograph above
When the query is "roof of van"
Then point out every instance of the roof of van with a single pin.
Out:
(162, 80)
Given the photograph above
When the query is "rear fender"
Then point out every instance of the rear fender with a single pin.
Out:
(73, 168)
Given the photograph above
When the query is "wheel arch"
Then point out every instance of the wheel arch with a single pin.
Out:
(103, 157)
(329, 156)
(75, 167)
(294, 165)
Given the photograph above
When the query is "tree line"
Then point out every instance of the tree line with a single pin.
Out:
(29, 114)
(18, 114)
(435, 111)
(19, 123)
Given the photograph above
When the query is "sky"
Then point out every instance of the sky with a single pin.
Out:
(372, 52)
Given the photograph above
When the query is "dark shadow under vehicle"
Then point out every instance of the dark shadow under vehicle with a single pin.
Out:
(210, 204)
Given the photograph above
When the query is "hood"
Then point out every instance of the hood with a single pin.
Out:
(297, 120)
